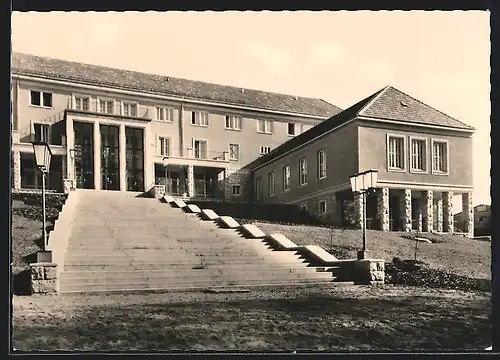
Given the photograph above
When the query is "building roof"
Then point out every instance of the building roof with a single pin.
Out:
(393, 104)
(385, 104)
(24, 64)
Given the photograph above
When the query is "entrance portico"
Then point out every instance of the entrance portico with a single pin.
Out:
(107, 154)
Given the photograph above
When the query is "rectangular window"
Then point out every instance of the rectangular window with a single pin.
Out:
(265, 150)
(286, 178)
(439, 156)
(234, 152)
(106, 106)
(418, 155)
(236, 190)
(199, 118)
(233, 122)
(164, 114)
(265, 126)
(41, 132)
(271, 183)
(39, 98)
(322, 164)
(200, 149)
(303, 171)
(258, 189)
(82, 103)
(294, 129)
(396, 153)
(130, 109)
(303, 208)
(163, 146)
(322, 207)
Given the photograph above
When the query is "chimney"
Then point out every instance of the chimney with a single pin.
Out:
(242, 90)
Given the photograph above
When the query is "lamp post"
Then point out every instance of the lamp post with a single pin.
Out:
(362, 184)
(43, 156)
(73, 172)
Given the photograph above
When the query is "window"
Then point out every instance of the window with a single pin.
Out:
(106, 106)
(322, 207)
(286, 178)
(200, 149)
(41, 132)
(163, 146)
(303, 171)
(236, 190)
(82, 103)
(265, 126)
(164, 114)
(303, 208)
(199, 118)
(271, 183)
(234, 152)
(439, 156)
(39, 98)
(265, 150)
(322, 164)
(258, 189)
(418, 155)
(294, 129)
(233, 122)
(130, 109)
(395, 152)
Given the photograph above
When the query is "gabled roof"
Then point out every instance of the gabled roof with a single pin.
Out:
(314, 132)
(385, 104)
(24, 64)
(393, 104)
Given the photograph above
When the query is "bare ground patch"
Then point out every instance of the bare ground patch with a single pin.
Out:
(309, 318)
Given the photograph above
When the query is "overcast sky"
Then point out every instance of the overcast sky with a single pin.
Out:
(440, 58)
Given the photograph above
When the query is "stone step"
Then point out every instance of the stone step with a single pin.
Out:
(167, 245)
(193, 275)
(241, 260)
(126, 288)
(175, 266)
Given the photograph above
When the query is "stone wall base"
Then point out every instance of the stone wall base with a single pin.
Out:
(43, 278)
(159, 191)
(369, 272)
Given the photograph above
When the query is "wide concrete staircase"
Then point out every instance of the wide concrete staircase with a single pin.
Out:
(121, 243)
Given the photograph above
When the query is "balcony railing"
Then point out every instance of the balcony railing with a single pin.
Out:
(51, 129)
(201, 154)
(132, 110)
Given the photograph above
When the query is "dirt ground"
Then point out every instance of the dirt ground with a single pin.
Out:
(331, 318)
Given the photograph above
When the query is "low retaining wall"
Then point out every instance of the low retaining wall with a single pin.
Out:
(43, 278)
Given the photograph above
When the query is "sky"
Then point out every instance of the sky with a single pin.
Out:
(440, 58)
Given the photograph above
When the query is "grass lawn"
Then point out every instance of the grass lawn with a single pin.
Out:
(457, 254)
(331, 318)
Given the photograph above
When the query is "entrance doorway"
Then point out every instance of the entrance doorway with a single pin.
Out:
(110, 157)
(84, 155)
(394, 213)
(135, 159)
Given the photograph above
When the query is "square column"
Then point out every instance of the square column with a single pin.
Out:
(383, 208)
(190, 180)
(428, 211)
(358, 210)
(97, 156)
(16, 173)
(405, 208)
(70, 144)
(448, 212)
(439, 206)
(123, 158)
(468, 213)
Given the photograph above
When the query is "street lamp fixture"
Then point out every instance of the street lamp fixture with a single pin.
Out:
(43, 155)
(362, 184)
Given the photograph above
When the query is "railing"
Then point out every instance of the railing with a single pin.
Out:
(133, 110)
(200, 154)
(52, 130)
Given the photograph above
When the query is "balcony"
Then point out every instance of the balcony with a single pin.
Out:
(51, 130)
(198, 157)
(113, 109)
